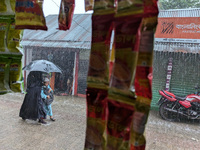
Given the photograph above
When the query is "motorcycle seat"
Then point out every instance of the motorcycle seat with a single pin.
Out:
(180, 98)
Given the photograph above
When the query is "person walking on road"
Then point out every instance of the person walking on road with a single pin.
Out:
(32, 106)
(47, 97)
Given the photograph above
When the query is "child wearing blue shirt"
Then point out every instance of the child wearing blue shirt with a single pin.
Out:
(47, 96)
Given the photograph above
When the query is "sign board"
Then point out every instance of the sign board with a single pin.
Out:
(178, 28)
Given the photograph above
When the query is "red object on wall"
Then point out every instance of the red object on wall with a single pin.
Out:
(52, 81)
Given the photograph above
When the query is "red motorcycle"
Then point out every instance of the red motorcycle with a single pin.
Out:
(173, 107)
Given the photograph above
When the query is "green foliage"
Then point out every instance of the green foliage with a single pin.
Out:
(178, 4)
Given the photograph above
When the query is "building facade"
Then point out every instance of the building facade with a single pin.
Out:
(67, 49)
(176, 52)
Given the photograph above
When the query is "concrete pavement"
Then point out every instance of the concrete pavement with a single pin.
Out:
(68, 131)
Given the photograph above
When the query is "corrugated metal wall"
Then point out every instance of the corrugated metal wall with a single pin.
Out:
(82, 71)
(190, 12)
(185, 73)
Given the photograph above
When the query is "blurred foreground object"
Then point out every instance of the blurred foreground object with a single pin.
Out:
(10, 50)
(66, 14)
(118, 104)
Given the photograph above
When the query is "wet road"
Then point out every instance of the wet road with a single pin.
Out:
(68, 131)
(165, 135)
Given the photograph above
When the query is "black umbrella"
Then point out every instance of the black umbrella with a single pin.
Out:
(42, 65)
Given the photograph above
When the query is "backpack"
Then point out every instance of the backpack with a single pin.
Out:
(47, 101)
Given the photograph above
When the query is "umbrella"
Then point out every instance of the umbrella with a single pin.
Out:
(42, 65)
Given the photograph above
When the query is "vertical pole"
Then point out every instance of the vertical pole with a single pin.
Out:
(169, 72)
(75, 74)
(25, 70)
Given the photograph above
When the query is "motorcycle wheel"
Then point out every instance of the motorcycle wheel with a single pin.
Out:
(165, 114)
